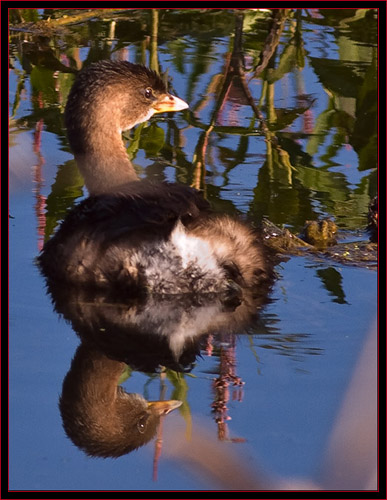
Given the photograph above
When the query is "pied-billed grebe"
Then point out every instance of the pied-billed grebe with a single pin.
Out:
(134, 235)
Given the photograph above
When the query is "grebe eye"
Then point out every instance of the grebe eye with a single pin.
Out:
(141, 424)
(148, 93)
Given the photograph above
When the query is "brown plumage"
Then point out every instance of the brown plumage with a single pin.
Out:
(137, 236)
(98, 415)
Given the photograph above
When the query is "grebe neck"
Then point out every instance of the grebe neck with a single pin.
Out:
(104, 164)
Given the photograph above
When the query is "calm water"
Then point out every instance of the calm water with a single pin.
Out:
(318, 99)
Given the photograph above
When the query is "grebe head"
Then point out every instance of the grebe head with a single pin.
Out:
(107, 98)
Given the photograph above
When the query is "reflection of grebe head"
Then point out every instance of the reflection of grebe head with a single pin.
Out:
(99, 416)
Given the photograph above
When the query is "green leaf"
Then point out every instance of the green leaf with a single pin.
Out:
(152, 140)
(134, 144)
(125, 374)
(65, 190)
(180, 393)
(42, 80)
(290, 58)
(338, 76)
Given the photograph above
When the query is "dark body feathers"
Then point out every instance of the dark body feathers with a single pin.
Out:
(134, 236)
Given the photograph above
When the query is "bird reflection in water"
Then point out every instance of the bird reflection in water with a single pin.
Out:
(150, 334)
(98, 415)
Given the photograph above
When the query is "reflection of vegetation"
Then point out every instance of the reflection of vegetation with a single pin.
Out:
(228, 382)
(66, 188)
(294, 345)
(180, 392)
(332, 281)
(233, 54)
(297, 175)
(276, 48)
(364, 133)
